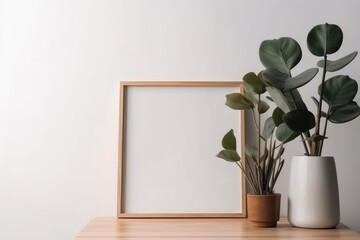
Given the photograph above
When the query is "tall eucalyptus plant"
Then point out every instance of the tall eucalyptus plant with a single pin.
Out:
(280, 56)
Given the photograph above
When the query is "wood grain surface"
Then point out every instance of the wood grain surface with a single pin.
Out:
(197, 229)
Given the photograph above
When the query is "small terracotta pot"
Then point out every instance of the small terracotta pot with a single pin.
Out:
(263, 210)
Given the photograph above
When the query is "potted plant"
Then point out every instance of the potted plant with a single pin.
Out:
(263, 161)
(313, 192)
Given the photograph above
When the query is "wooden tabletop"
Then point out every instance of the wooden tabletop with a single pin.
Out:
(213, 229)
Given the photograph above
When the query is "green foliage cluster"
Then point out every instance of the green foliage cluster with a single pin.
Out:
(280, 56)
(264, 161)
(291, 117)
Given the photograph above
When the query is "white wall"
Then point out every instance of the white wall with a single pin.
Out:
(60, 67)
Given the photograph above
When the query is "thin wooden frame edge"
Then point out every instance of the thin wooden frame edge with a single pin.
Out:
(181, 215)
(225, 83)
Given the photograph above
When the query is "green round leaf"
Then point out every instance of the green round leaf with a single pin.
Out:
(299, 120)
(284, 134)
(286, 101)
(268, 128)
(279, 98)
(332, 66)
(285, 83)
(229, 140)
(277, 116)
(339, 90)
(238, 102)
(324, 39)
(301, 79)
(275, 78)
(254, 81)
(249, 96)
(295, 100)
(281, 54)
(251, 151)
(229, 155)
(345, 114)
(263, 107)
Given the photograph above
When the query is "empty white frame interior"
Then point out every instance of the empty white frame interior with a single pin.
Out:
(170, 133)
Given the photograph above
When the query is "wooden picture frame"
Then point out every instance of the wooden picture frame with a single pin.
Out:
(169, 135)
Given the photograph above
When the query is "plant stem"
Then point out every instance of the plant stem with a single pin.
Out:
(271, 164)
(251, 176)
(304, 143)
(315, 150)
(257, 125)
(259, 143)
(324, 135)
(255, 121)
(250, 181)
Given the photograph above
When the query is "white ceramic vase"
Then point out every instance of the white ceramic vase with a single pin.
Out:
(313, 192)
